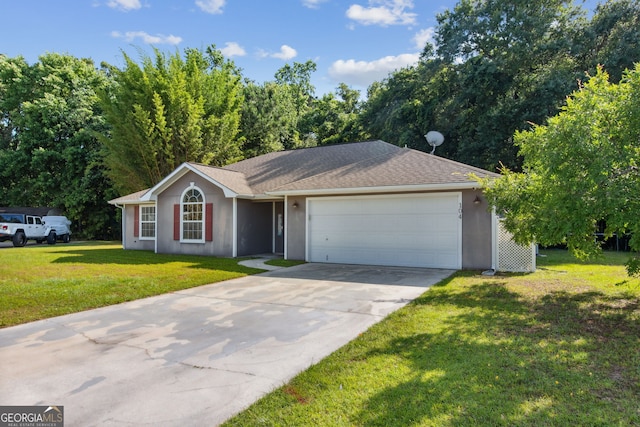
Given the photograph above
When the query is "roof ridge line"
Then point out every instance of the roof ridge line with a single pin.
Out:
(292, 150)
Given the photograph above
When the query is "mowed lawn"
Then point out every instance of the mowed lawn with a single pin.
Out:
(560, 347)
(41, 281)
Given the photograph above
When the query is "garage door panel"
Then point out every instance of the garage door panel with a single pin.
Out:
(408, 230)
(404, 258)
(398, 223)
(369, 241)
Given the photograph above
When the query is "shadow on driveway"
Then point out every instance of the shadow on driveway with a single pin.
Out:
(200, 355)
(368, 274)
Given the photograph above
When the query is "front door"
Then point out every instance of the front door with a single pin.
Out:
(278, 227)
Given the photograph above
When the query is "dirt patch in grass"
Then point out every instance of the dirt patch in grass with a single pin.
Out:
(293, 392)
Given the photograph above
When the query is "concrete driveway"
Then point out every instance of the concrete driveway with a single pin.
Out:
(198, 356)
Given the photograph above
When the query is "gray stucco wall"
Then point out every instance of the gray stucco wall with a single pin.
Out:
(255, 233)
(222, 244)
(131, 241)
(476, 232)
(295, 232)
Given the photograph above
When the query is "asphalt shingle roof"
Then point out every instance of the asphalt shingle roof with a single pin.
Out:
(360, 165)
(235, 181)
(402, 167)
(128, 198)
(270, 171)
(355, 165)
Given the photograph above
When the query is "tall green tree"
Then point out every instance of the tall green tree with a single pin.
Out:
(269, 118)
(334, 118)
(579, 169)
(514, 31)
(611, 38)
(410, 102)
(498, 66)
(514, 69)
(168, 110)
(50, 155)
(298, 78)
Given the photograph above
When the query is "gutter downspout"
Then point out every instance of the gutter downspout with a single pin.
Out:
(234, 226)
(123, 224)
(494, 244)
(285, 211)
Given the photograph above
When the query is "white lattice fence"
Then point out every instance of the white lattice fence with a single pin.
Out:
(512, 257)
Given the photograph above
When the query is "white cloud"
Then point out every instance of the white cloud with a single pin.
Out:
(211, 6)
(125, 5)
(233, 49)
(286, 53)
(312, 4)
(383, 12)
(147, 38)
(363, 73)
(423, 37)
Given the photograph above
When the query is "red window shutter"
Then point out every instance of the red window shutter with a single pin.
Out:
(136, 221)
(176, 222)
(208, 222)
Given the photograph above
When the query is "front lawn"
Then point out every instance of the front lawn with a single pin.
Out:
(560, 347)
(43, 281)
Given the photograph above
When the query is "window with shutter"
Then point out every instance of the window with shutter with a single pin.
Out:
(192, 219)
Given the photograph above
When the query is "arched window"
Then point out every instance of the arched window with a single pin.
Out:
(192, 218)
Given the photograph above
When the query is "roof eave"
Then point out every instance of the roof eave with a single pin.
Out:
(378, 189)
(115, 202)
(266, 197)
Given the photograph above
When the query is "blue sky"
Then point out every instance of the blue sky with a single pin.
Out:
(354, 41)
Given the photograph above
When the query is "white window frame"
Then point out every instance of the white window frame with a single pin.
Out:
(143, 221)
(184, 221)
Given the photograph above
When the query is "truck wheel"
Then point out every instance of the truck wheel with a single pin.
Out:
(19, 239)
(52, 238)
(66, 238)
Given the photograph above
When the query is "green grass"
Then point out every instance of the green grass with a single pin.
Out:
(38, 282)
(560, 347)
(279, 262)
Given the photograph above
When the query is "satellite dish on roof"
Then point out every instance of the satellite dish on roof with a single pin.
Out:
(434, 139)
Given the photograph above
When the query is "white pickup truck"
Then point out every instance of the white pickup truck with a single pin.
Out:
(19, 228)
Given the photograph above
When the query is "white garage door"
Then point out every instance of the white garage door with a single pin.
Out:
(407, 230)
